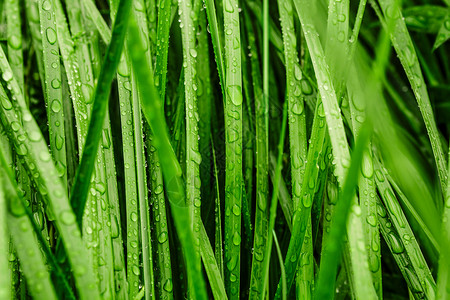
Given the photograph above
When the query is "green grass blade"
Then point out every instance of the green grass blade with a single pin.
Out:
(53, 91)
(233, 147)
(169, 164)
(82, 179)
(33, 149)
(404, 240)
(443, 278)
(162, 46)
(193, 156)
(274, 203)
(404, 47)
(15, 38)
(212, 269)
(5, 279)
(283, 273)
(262, 161)
(331, 254)
(217, 43)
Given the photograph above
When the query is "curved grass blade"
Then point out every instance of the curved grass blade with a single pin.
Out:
(403, 239)
(212, 269)
(331, 253)
(31, 147)
(17, 204)
(301, 215)
(367, 187)
(84, 172)
(283, 273)
(404, 47)
(443, 33)
(169, 164)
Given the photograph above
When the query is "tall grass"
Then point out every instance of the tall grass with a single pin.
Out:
(158, 149)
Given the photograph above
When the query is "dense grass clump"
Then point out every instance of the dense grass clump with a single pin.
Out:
(224, 149)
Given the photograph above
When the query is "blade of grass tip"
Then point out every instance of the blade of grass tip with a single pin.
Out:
(5, 279)
(262, 160)
(171, 169)
(162, 46)
(367, 187)
(283, 272)
(193, 156)
(285, 198)
(297, 129)
(82, 179)
(331, 254)
(31, 147)
(52, 84)
(274, 203)
(443, 33)
(212, 269)
(14, 33)
(443, 278)
(401, 40)
(18, 204)
(233, 147)
(216, 42)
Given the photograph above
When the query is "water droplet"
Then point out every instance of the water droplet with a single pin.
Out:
(297, 108)
(297, 72)
(67, 217)
(46, 5)
(193, 53)
(162, 237)
(395, 243)
(6, 104)
(306, 87)
(234, 94)
(367, 165)
(15, 42)
(56, 106)
(229, 6)
(159, 189)
(45, 156)
(56, 83)
(51, 35)
(372, 220)
(136, 270)
(7, 75)
(168, 286)
(133, 217)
